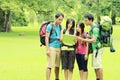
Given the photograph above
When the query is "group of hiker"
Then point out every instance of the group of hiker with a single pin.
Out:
(57, 51)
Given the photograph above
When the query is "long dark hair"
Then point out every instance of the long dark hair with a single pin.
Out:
(73, 25)
(82, 26)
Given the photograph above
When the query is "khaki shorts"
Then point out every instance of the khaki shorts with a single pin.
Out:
(97, 60)
(54, 58)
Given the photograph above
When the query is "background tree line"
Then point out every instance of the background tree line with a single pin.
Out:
(23, 12)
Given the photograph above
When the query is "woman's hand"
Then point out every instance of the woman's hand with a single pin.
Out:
(86, 56)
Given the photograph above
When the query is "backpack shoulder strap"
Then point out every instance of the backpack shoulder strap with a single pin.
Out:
(91, 30)
(60, 27)
(52, 30)
(85, 35)
(64, 30)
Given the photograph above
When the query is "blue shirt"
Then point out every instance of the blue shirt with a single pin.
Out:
(55, 34)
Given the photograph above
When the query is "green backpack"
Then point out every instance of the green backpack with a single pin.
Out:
(105, 31)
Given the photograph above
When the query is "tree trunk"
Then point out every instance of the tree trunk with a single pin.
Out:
(98, 18)
(113, 17)
(2, 19)
(8, 22)
(113, 14)
(98, 12)
(4, 26)
(5, 21)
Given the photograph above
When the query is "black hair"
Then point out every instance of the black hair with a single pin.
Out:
(59, 14)
(73, 25)
(89, 16)
(82, 26)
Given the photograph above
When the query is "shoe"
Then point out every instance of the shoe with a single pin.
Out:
(112, 50)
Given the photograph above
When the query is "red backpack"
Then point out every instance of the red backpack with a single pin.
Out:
(42, 32)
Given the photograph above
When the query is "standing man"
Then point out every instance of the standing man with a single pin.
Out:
(97, 51)
(52, 39)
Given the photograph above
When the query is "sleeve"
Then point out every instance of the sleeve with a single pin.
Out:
(48, 28)
(95, 32)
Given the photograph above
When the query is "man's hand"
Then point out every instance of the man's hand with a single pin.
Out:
(48, 51)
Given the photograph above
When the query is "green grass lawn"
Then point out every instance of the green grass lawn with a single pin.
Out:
(21, 57)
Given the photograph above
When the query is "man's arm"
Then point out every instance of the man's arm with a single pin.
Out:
(61, 35)
(86, 55)
(95, 34)
(47, 35)
(87, 40)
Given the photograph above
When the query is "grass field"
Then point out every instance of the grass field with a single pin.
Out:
(21, 57)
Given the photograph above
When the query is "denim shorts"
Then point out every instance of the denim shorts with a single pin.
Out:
(68, 59)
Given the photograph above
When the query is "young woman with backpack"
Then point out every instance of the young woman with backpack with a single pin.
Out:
(67, 51)
(82, 52)
(96, 46)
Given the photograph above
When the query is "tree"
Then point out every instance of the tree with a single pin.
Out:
(6, 8)
(5, 21)
(45, 10)
(115, 11)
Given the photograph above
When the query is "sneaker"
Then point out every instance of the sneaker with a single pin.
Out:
(112, 50)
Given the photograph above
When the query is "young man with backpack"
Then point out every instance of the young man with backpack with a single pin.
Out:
(52, 42)
(96, 46)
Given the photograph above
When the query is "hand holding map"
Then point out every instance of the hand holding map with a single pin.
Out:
(68, 39)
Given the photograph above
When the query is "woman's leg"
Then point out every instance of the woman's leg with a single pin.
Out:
(85, 75)
(70, 74)
(85, 70)
(66, 74)
(64, 60)
(81, 74)
(71, 61)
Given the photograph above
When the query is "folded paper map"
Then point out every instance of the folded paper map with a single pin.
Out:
(68, 39)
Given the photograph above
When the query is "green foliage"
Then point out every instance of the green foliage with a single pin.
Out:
(40, 10)
(19, 19)
(12, 5)
(17, 9)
